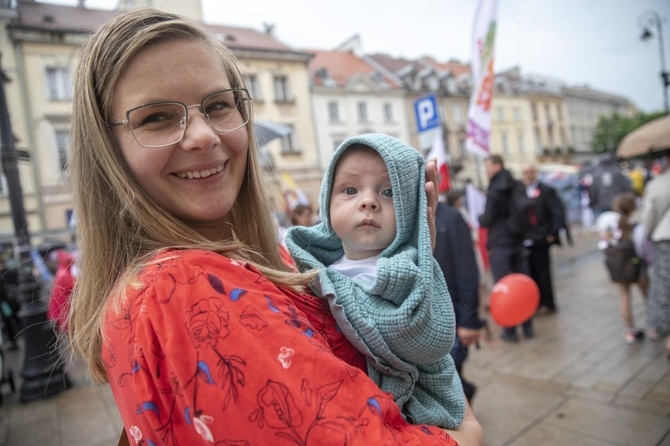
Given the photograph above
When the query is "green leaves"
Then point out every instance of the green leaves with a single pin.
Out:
(613, 128)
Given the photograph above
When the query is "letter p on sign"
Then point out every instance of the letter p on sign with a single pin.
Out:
(425, 110)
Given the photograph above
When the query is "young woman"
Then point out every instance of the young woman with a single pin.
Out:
(184, 302)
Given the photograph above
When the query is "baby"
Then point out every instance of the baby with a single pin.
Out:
(375, 266)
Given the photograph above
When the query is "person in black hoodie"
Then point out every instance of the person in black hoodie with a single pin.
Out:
(455, 253)
(504, 243)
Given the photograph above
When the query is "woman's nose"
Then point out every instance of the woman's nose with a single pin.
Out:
(199, 134)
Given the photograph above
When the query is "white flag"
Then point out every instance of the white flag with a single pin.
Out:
(479, 113)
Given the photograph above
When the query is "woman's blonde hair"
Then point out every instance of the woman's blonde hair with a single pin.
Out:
(119, 227)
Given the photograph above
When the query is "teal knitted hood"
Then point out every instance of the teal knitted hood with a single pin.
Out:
(403, 322)
(406, 169)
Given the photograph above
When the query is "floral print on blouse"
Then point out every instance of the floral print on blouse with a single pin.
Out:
(207, 351)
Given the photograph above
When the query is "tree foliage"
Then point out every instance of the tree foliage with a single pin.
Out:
(613, 128)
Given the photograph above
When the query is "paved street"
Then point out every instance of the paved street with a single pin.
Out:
(575, 383)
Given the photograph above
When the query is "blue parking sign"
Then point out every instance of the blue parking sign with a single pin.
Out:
(425, 111)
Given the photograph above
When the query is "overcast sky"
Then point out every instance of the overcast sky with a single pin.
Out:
(594, 42)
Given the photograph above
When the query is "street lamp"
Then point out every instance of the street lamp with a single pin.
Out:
(647, 20)
(42, 372)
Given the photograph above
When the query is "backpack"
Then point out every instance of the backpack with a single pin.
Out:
(522, 211)
(622, 262)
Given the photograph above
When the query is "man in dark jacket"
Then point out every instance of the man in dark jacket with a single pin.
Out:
(454, 252)
(608, 182)
(549, 217)
(505, 245)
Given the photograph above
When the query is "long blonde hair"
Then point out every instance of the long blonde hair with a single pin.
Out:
(119, 227)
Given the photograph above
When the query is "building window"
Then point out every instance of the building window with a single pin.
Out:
(458, 113)
(288, 146)
(62, 144)
(548, 112)
(58, 83)
(501, 113)
(254, 87)
(517, 114)
(334, 111)
(282, 90)
(388, 112)
(522, 147)
(505, 143)
(463, 148)
(362, 112)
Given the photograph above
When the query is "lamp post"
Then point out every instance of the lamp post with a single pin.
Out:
(42, 371)
(647, 20)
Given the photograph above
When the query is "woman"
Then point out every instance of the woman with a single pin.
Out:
(183, 301)
(656, 220)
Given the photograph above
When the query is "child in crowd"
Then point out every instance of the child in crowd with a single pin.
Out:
(625, 259)
(374, 259)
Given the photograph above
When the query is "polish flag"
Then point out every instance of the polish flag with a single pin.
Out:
(438, 152)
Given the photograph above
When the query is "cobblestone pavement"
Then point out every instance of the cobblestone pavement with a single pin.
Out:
(575, 383)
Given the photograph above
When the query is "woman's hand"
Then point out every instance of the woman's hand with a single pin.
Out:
(469, 432)
(431, 197)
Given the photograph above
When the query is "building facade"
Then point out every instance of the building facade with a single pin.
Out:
(319, 97)
(39, 46)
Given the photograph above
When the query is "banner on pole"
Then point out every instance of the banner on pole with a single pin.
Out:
(479, 112)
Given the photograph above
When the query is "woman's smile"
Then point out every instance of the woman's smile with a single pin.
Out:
(196, 174)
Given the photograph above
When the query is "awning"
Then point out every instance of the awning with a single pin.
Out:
(267, 131)
(654, 136)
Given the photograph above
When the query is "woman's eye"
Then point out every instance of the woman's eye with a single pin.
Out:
(387, 193)
(350, 191)
(217, 106)
(154, 119)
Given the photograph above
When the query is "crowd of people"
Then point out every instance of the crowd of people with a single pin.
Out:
(352, 327)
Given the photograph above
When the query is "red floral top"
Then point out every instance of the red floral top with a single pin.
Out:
(208, 351)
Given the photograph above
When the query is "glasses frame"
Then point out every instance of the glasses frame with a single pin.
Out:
(184, 122)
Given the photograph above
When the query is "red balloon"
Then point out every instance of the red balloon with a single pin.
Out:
(514, 300)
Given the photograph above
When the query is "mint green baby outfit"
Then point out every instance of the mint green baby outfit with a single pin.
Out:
(403, 322)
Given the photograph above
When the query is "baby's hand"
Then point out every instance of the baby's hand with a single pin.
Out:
(431, 198)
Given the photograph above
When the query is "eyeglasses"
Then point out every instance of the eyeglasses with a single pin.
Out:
(162, 124)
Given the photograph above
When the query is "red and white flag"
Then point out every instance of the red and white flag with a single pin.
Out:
(483, 77)
(439, 153)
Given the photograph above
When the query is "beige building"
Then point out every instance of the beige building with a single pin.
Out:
(511, 134)
(586, 106)
(39, 47)
(315, 98)
(350, 97)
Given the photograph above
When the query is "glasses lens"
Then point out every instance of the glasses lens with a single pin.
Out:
(157, 125)
(227, 110)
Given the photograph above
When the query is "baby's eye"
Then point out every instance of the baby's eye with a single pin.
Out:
(387, 193)
(350, 191)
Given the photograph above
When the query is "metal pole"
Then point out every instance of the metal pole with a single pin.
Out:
(42, 371)
(645, 21)
(665, 77)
